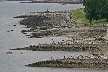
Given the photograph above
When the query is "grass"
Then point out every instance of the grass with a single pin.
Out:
(102, 21)
(79, 14)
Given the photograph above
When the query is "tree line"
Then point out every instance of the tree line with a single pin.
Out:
(96, 9)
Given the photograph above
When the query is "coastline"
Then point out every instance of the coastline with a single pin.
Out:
(61, 23)
(88, 62)
(60, 2)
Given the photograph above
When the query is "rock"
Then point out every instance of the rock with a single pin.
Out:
(14, 25)
(24, 33)
(12, 30)
(8, 31)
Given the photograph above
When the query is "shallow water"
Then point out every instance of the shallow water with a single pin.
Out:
(16, 61)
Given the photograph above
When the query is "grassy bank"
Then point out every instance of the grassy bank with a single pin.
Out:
(79, 16)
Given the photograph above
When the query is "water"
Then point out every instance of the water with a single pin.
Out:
(16, 61)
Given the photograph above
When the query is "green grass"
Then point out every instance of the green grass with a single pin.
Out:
(85, 20)
(100, 21)
(95, 22)
(79, 14)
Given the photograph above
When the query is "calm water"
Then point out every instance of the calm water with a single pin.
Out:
(16, 62)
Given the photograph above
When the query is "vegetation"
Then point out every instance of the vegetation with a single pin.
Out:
(80, 14)
(101, 39)
(96, 9)
(102, 21)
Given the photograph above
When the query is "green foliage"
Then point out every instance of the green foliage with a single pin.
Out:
(79, 14)
(96, 9)
(101, 39)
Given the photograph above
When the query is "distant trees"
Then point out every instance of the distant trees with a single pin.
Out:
(96, 9)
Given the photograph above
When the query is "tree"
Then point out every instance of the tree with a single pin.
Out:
(104, 9)
(90, 9)
(96, 9)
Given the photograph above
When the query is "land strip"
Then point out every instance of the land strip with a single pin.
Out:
(88, 61)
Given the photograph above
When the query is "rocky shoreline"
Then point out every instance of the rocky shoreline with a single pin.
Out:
(58, 1)
(61, 47)
(90, 62)
(58, 23)
(67, 45)
(46, 23)
(81, 38)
